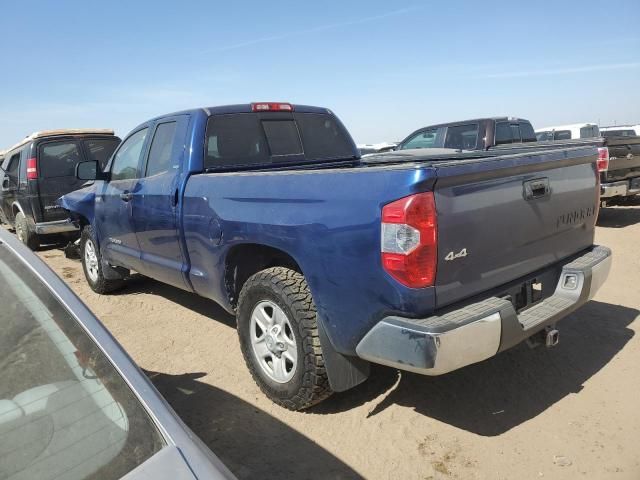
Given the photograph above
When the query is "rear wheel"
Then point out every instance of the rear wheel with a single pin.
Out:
(277, 326)
(92, 264)
(25, 234)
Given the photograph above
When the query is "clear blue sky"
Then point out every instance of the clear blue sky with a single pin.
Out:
(385, 68)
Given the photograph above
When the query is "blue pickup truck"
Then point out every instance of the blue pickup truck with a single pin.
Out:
(330, 261)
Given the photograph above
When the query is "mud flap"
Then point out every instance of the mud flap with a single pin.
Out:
(344, 371)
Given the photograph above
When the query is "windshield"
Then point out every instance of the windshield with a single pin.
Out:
(245, 139)
(65, 413)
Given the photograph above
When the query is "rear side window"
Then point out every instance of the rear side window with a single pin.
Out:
(247, 139)
(463, 137)
(503, 133)
(562, 135)
(126, 162)
(527, 133)
(161, 148)
(100, 150)
(13, 165)
(58, 159)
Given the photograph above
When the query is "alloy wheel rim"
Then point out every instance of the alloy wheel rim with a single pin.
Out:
(91, 260)
(273, 342)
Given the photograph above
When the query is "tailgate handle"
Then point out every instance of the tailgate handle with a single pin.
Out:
(538, 188)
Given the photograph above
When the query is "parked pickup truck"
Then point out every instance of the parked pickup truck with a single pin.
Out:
(331, 262)
(476, 134)
(619, 151)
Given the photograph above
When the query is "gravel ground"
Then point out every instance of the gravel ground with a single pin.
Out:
(569, 412)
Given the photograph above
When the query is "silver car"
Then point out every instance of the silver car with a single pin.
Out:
(73, 405)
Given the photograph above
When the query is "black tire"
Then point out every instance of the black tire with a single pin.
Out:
(25, 234)
(288, 289)
(99, 283)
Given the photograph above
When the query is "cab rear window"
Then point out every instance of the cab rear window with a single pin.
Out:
(249, 139)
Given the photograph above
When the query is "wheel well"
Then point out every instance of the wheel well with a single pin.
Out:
(244, 260)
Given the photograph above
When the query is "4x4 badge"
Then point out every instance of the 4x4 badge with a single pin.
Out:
(452, 256)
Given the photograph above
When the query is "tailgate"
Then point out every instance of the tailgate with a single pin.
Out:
(624, 158)
(503, 218)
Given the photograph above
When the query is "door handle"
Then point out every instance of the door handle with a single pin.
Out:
(126, 196)
(538, 188)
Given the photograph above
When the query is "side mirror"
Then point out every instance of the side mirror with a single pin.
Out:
(89, 171)
(6, 183)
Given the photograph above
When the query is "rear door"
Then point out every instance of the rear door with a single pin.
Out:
(56, 164)
(501, 219)
(155, 204)
(113, 206)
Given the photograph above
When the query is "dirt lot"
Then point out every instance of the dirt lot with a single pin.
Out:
(570, 412)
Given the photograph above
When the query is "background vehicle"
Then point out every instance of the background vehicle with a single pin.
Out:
(568, 132)
(330, 261)
(476, 134)
(368, 148)
(39, 169)
(620, 131)
(73, 405)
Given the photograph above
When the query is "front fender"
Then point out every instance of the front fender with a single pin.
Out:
(80, 203)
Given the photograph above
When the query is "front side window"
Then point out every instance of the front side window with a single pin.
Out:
(58, 159)
(424, 139)
(65, 412)
(100, 150)
(161, 148)
(562, 135)
(544, 136)
(126, 163)
(462, 137)
(13, 166)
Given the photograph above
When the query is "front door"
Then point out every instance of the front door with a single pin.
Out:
(114, 203)
(156, 203)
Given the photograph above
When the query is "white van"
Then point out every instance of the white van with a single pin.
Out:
(568, 132)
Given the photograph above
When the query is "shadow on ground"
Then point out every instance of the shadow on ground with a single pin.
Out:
(140, 284)
(620, 216)
(494, 396)
(252, 443)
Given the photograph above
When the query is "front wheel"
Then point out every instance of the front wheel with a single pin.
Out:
(278, 330)
(92, 264)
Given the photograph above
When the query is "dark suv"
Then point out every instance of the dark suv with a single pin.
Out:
(40, 169)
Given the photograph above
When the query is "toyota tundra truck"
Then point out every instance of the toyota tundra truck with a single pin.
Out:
(331, 262)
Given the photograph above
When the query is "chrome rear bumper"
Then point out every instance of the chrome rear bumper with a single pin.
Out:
(441, 344)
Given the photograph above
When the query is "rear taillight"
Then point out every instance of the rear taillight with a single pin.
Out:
(271, 107)
(603, 159)
(32, 169)
(409, 240)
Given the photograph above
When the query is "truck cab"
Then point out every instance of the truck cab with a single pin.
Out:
(41, 168)
(476, 134)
